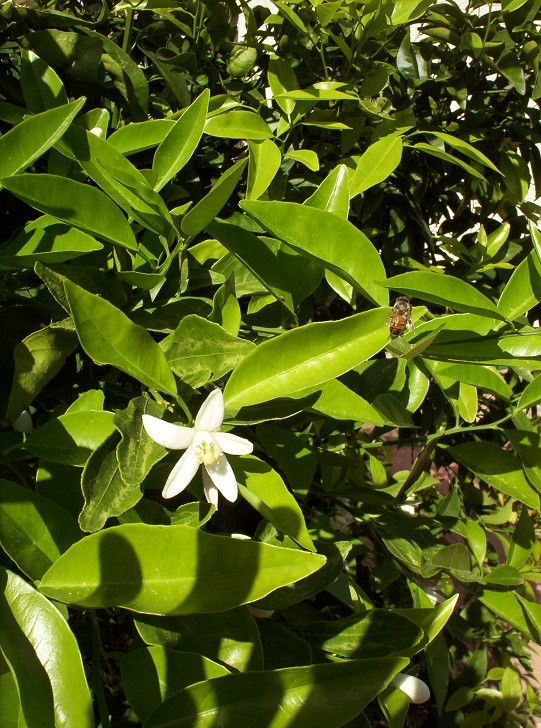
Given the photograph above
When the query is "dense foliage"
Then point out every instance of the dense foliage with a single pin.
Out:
(204, 194)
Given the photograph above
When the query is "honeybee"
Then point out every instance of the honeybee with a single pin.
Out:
(400, 320)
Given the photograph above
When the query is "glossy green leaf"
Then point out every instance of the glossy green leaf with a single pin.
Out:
(140, 136)
(117, 176)
(498, 468)
(522, 541)
(151, 675)
(467, 149)
(41, 86)
(198, 344)
(444, 290)
(138, 567)
(279, 698)
(33, 137)
(333, 193)
(281, 77)
(281, 646)
(34, 531)
(376, 633)
(38, 358)
(204, 212)
(376, 164)
(105, 492)
(181, 141)
(71, 438)
(512, 609)
(531, 394)
(268, 266)
(339, 402)
(10, 703)
(74, 203)
(484, 377)
(264, 162)
(43, 655)
(109, 337)
(137, 452)
(523, 290)
(449, 158)
(265, 490)
(504, 575)
(46, 240)
(306, 357)
(291, 451)
(305, 156)
(238, 125)
(322, 236)
(230, 637)
(477, 540)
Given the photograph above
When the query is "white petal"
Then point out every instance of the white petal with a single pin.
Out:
(223, 478)
(175, 437)
(211, 413)
(233, 444)
(416, 690)
(182, 474)
(211, 491)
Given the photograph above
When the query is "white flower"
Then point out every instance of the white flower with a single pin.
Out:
(416, 690)
(204, 446)
(23, 423)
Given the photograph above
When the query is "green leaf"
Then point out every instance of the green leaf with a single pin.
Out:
(376, 633)
(523, 290)
(484, 377)
(74, 203)
(265, 490)
(44, 658)
(512, 609)
(449, 158)
(181, 141)
(333, 193)
(34, 531)
(305, 156)
(151, 675)
(324, 236)
(376, 164)
(201, 344)
(531, 394)
(230, 638)
(498, 468)
(204, 212)
(46, 240)
(238, 125)
(306, 357)
(264, 162)
(33, 137)
(71, 438)
(266, 264)
(138, 567)
(290, 450)
(444, 290)
(523, 540)
(339, 402)
(137, 452)
(105, 493)
(123, 182)
(281, 77)
(109, 337)
(287, 697)
(38, 358)
(140, 136)
(467, 149)
(504, 575)
(42, 88)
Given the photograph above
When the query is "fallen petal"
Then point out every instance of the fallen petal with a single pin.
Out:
(416, 690)
(211, 413)
(233, 444)
(223, 478)
(174, 437)
(182, 474)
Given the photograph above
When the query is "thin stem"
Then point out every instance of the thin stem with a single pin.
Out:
(96, 673)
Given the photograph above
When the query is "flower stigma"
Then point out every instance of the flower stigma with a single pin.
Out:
(206, 448)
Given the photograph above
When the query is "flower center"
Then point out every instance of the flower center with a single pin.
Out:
(206, 448)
